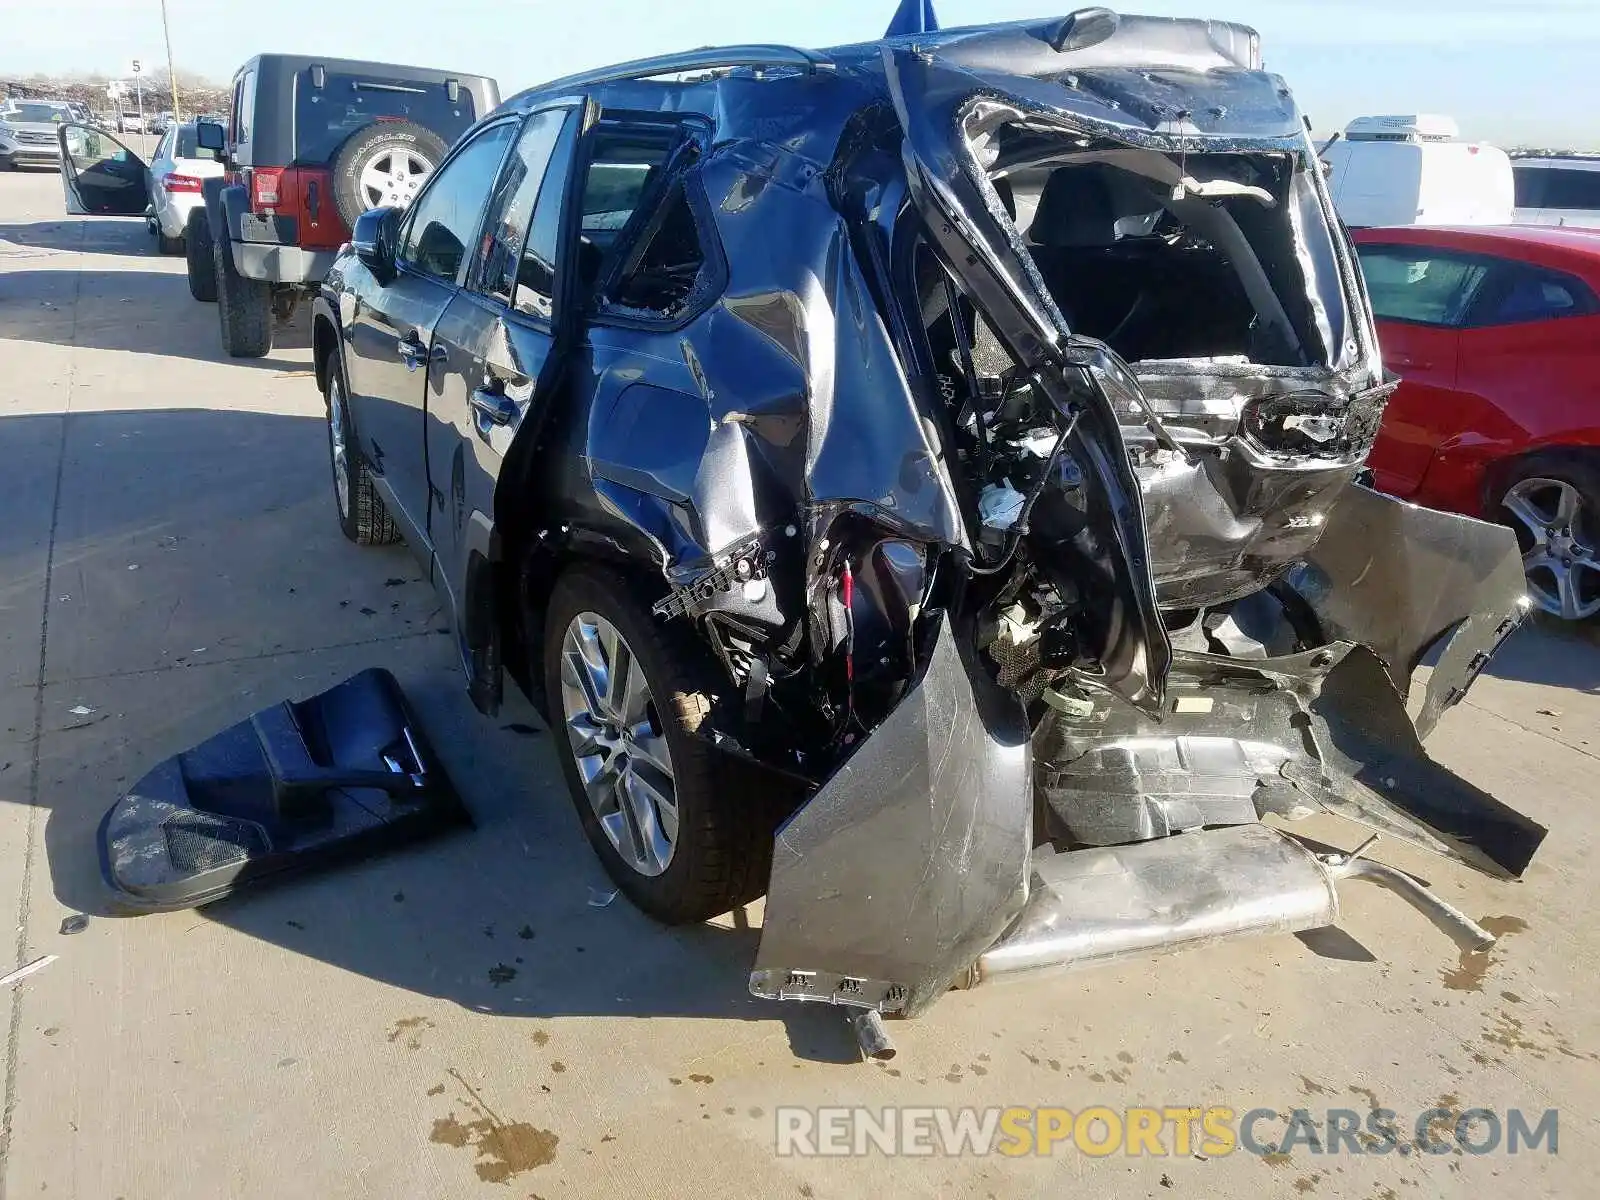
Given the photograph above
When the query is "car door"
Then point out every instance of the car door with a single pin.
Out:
(392, 360)
(1420, 297)
(499, 335)
(99, 175)
(160, 166)
(1530, 348)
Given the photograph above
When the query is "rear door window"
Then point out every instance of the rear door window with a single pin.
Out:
(244, 112)
(444, 220)
(623, 165)
(520, 242)
(325, 117)
(1518, 293)
(1420, 284)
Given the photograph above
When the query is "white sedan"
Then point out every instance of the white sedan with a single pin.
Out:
(177, 172)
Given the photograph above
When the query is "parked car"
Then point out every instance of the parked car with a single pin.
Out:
(178, 169)
(131, 122)
(1558, 189)
(309, 145)
(1496, 334)
(925, 448)
(28, 132)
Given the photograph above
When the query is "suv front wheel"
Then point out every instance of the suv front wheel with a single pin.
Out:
(363, 518)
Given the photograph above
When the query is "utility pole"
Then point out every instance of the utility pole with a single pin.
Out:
(172, 73)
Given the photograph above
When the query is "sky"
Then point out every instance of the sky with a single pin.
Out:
(1510, 71)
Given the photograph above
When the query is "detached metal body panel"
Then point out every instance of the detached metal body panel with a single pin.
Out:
(912, 859)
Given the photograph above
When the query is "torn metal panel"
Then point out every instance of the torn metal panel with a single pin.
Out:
(913, 858)
(1397, 578)
(1116, 902)
(1319, 730)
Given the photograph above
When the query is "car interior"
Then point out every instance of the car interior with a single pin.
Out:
(1163, 257)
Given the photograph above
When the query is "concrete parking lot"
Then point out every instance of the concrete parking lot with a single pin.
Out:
(468, 1017)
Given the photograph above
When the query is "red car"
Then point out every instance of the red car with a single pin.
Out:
(1495, 333)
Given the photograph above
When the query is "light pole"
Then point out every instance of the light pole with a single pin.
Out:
(172, 73)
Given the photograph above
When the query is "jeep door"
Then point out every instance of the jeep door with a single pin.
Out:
(99, 175)
(497, 339)
(393, 361)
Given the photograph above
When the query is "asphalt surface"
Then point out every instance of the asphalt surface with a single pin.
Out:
(469, 1017)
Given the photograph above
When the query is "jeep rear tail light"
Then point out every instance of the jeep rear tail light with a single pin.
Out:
(264, 187)
(180, 183)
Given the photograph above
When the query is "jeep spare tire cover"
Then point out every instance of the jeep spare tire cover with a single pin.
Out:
(385, 163)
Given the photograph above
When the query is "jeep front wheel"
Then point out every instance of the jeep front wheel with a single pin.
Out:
(384, 164)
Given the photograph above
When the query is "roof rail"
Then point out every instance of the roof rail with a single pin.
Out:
(705, 59)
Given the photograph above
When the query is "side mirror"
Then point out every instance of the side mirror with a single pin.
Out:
(210, 136)
(373, 240)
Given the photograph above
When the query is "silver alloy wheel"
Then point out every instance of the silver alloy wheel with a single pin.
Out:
(393, 176)
(336, 444)
(618, 743)
(1559, 553)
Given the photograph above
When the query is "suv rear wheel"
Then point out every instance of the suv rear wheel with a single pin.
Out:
(628, 695)
(384, 164)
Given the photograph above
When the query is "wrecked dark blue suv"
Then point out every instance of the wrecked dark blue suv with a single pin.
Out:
(918, 481)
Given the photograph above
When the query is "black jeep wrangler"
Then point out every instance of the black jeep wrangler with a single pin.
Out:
(311, 144)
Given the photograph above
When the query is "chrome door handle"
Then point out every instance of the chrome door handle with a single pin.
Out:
(414, 354)
(492, 408)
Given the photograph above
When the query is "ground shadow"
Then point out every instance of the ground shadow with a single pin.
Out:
(140, 312)
(1547, 650)
(91, 235)
(513, 916)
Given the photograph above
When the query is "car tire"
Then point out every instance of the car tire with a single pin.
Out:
(244, 308)
(200, 257)
(1552, 503)
(404, 152)
(719, 852)
(363, 516)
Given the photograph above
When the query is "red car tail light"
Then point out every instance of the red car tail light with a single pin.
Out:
(175, 182)
(264, 187)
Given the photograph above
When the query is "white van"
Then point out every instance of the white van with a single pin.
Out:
(1558, 189)
(1416, 170)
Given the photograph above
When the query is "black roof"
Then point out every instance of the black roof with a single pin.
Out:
(290, 63)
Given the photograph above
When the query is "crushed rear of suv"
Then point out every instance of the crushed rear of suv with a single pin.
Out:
(311, 144)
(919, 481)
